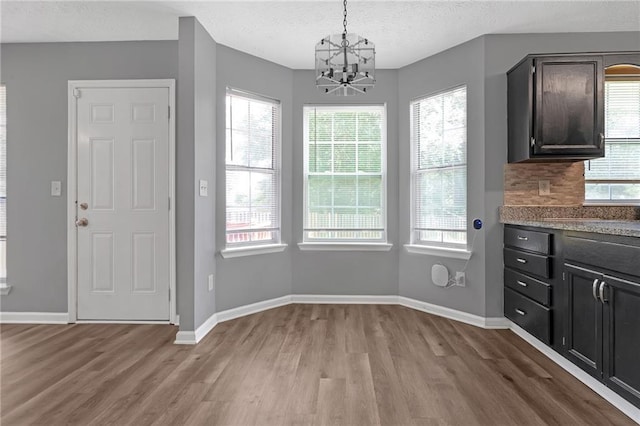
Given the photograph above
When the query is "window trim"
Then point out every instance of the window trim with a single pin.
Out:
(4, 287)
(257, 247)
(340, 244)
(460, 251)
(587, 181)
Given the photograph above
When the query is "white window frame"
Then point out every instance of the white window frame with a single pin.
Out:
(587, 181)
(4, 287)
(433, 248)
(346, 244)
(258, 247)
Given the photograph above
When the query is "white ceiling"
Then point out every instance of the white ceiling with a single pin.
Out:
(287, 31)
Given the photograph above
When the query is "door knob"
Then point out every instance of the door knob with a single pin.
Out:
(84, 206)
(82, 222)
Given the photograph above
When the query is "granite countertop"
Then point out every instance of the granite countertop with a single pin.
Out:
(629, 228)
(599, 219)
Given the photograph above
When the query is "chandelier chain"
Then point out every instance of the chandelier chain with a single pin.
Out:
(344, 21)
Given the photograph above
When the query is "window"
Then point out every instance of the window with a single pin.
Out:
(344, 174)
(439, 169)
(3, 184)
(252, 170)
(616, 177)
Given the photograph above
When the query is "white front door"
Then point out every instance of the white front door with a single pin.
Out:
(122, 204)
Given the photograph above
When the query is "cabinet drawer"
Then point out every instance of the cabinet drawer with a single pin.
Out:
(531, 316)
(540, 242)
(527, 262)
(536, 290)
(609, 255)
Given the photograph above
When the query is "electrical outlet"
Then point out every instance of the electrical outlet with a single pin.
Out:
(461, 279)
(211, 282)
(544, 187)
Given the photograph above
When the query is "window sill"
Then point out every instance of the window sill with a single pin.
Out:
(452, 253)
(345, 246)
(4, 289)
(252, 250)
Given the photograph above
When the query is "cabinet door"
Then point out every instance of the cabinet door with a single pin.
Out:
(569, 106)
(584, 319)
(622, 337)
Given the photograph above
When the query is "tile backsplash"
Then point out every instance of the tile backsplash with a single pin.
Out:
(566, 180)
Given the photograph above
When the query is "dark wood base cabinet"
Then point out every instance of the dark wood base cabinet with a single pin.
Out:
(603, 309)
(596, 310)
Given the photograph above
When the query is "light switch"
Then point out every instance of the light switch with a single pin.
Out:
(204, 188)
(56, 188)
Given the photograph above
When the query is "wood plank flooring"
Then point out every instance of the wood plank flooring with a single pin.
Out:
(294, 365)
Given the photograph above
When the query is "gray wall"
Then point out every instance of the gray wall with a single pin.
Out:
(320, 272)
(205, 168)
(501, 53)
(196, 156)
(245, 280)
(36, 77)
(463, 64)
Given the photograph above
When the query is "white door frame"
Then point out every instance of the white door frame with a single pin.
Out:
(72, 243)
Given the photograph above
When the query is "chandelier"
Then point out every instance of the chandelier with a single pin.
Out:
(345, 63)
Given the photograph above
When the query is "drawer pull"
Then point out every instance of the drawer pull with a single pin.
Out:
(602, 298)
(521, 312)
(521, 283)
(521, 260)
(521, 238)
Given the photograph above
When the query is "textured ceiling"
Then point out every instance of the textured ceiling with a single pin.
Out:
(287, 31)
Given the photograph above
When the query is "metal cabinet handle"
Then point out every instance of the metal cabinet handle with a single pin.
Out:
(594, 289)
(602, 299)
(521, 238)
(521, 312)
(601, 135)
(521, 283)
(521, 260)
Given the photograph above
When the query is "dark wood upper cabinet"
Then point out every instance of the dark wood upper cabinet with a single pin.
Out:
(556, 108)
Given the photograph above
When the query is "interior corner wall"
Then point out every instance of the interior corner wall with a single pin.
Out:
(245, 280)
(502, 51)
(460, 65)
(36, 76)
(205, 169)
(346, 273)
(196, 138)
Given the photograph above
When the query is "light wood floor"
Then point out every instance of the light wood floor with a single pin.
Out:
(298, 364)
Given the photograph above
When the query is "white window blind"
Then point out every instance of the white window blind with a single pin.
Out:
(252, 170)
(3, 183)
(439, 169)
(345, 173)
(616, 177)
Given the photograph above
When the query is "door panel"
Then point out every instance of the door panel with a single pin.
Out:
(584, 320)
(622, 337)
(123, 177)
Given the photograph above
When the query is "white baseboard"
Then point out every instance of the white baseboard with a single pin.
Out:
(34, 318)
(253, 308)
(454, 314)
(344, 299)
(186, 338)
(598, 387)
(193, 337)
